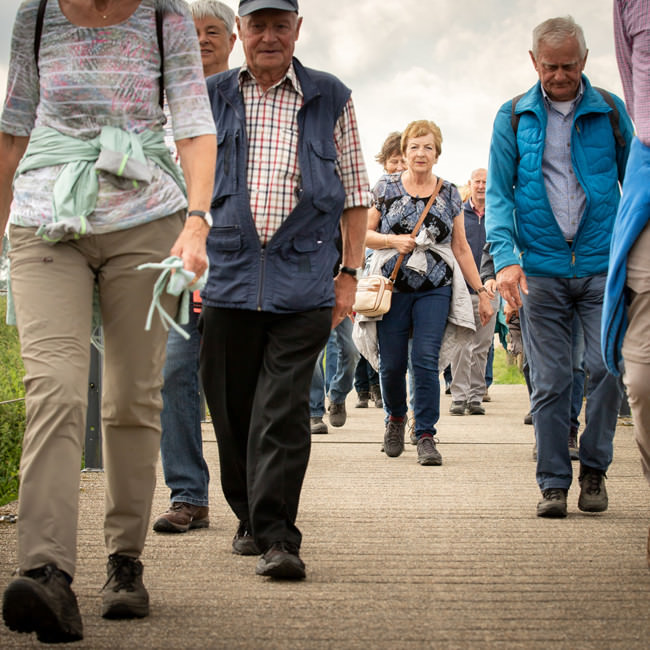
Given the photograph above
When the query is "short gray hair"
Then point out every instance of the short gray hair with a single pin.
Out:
(556, 30)
(214, 9)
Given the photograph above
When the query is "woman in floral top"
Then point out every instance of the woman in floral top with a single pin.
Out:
(95, 196)
(422, 291)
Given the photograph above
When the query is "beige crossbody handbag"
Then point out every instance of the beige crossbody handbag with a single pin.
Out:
(374, 292)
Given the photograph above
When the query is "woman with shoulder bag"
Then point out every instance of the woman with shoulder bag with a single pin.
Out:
(422, 289)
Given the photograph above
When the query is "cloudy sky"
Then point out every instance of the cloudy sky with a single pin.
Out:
(451, 61)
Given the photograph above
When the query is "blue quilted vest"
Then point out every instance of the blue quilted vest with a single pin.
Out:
(598, 165)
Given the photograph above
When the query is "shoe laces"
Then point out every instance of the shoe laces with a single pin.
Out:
(124, 570)
(284, 547)
(395, 430)
(591, 480)
(553, 494)
(427, 444)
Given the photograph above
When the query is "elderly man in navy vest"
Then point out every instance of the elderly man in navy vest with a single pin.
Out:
(557, 155)
(289, 171)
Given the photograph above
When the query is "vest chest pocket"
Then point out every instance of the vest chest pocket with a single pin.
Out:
(226, 180)
(326, 184)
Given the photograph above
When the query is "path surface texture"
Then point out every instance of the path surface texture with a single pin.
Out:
(397, 555)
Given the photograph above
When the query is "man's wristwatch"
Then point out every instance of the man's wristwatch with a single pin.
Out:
(481, 289)
(355, 273)
(206, 216)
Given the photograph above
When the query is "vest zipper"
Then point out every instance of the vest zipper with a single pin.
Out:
(261, 279)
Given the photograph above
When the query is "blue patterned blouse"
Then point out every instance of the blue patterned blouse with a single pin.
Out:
(400, 213)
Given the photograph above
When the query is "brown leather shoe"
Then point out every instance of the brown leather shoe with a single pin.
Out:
(182, 517)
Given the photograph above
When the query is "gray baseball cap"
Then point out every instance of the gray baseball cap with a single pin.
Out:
(249, 6)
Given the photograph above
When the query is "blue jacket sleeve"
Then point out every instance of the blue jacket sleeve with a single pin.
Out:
(500, 194)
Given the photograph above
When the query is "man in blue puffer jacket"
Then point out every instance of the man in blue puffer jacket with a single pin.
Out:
(556, 160)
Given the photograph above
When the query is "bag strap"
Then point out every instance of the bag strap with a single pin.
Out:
(414, 232)
(38, 32)
(161, 50)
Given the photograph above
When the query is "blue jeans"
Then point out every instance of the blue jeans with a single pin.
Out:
(365, 376)
(341, 347)
(426, 314)
(550, 307)
(488, 367)
(578, 361)
(181, 444)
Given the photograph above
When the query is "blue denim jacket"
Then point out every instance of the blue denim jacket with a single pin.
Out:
(293, 272)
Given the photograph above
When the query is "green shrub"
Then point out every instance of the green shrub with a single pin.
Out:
(503, 371)
(12, 415)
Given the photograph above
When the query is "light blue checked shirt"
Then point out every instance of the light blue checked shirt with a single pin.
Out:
(565, 194)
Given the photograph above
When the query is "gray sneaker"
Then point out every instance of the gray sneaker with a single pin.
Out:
(338, 415)
(124, 594)
(428, 454)
(394, 438)
(40, 600)
(375, 396)
(553, 503)
(593, 494)
(317, 425)
(458, 408)
(475, 408)
(362, 399)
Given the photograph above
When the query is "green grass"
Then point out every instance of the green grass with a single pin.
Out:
(12, 415)
(503, 371)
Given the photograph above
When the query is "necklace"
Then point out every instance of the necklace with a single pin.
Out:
(105, 14)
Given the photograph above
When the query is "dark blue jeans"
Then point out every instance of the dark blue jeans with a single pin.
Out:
(426, 314)
(549, 310)
(181, 445)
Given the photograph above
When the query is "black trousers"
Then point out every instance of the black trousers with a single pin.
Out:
(256, 369)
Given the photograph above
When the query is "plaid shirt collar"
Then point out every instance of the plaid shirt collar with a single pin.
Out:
(290, 77)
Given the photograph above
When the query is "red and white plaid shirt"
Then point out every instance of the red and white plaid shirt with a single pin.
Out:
(273, 173)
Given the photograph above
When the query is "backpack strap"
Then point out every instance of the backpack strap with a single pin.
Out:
(39, 31)
(40, 14)
(514, 120)
(614, 116)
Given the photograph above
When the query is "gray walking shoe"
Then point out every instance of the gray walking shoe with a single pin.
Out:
(124, 594)
(553, 503)
(593, 494)
(428, 453)
(394, 438)
(338, 414)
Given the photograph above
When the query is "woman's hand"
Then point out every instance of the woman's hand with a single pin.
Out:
(485, 309)
(403, 244)
(190, 246)
(491, 286)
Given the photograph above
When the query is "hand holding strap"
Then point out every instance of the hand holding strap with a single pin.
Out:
(414, 232)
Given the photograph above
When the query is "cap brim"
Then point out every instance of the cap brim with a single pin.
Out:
(258, 5)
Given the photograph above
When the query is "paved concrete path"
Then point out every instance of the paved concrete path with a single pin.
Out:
(398, 555)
